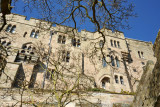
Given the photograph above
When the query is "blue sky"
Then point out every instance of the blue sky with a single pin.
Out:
(147, 24)
(144, 27)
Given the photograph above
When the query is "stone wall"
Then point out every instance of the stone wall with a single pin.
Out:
(13, 97)
(149, 87)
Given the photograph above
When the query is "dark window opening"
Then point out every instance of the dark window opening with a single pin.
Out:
(25, 34)
(111, 43)
(8, 28)
(121, 79)
(13, 30)
(118, 44)
(116, 79)
(78, 43)
(112, 61)
(68, 56)
(59, 38)
(115, 44)
(63, 40)
(104, 63)
(101, 43)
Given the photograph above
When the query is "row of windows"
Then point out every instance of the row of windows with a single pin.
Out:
(75, 42)
(11, 28)
(4, 43)
(34, 34)
(104, 63)
(117, 80)
(107, 80)
(115, 43)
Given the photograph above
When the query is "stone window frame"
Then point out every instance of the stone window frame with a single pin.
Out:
(61, 39)
(76, 42)
(65, 56)
(116, 79)
(115, 43)
(34, 34)
(121, 80)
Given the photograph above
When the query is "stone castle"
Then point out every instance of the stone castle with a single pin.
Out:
(116, 66)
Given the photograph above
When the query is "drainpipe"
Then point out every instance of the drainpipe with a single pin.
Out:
(47, 61)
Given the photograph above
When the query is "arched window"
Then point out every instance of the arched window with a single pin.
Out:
(63, 40)
(112, 61)
(104, 62)
(8, 28)
(13, 30)
(36, 34)
(111, 43)
(32, 33)
(100, 43)
(115, 44)
(104, 81)
(121, 80)
(59, 39)
(118, 44)
(116, 79)
(117, 62)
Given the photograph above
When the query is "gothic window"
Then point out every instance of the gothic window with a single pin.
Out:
(118, 44)
(121, 80)
(111, 43)
(8, 28)
(13, 29)
(78, 43)
(104, 62)
(100, 43)
(115, 44)
(59, 39)
(36, 34)
(112, 61)
(117, 62)
(116, 79)
(32, 33)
